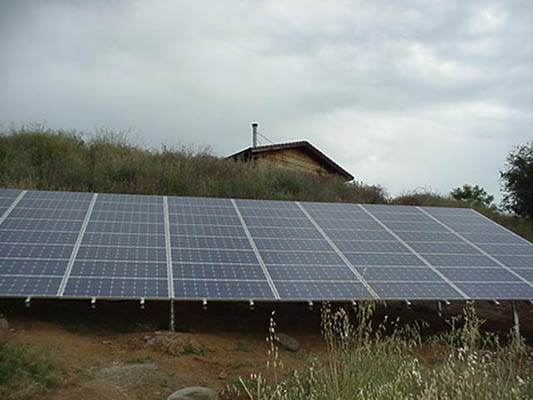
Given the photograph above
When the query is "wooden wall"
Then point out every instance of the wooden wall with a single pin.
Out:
(294, 159)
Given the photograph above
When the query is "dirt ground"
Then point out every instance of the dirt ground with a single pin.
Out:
(119, 351)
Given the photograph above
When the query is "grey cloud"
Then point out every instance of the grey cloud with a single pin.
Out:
(404, 94)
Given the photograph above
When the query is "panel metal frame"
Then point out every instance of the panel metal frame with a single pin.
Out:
(502, 265)
(417, 254)
(234, 205)
(77, 245)
(12, 206)
(338, 252)
(256, 252)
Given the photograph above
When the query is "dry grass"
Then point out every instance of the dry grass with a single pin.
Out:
(37, 158)
(364, 363)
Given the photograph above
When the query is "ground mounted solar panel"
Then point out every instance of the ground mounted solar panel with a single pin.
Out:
(111, 246)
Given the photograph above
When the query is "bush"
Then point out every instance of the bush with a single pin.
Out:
(517, 181)
(473, 195)
(26, 372)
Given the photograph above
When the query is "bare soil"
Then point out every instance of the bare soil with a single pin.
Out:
(119, 351)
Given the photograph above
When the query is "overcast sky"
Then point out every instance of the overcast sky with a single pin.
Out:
(404, 94)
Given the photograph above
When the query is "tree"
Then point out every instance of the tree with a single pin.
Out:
(473, 195)
(517, 181)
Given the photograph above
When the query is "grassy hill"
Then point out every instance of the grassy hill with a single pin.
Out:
(45, 159)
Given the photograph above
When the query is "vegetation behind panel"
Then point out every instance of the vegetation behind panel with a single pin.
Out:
(44, 159)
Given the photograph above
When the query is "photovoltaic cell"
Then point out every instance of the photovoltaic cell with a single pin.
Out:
(496, 290)
(396, 259)
(42, 237)
(290, 290)
(404, 274)
(28, 285)
(508, 249)
(459, 260)
(443, 248)
(135, 217)
(301, 257)
(371, 246)
(122, 269)
(380, 235)
(128, 207)
(35, 267)
(116, 288)
(292, 244)
(214, 256)
(206, 230)
(222, 289)
(5, 202)
(516, 261)
(35, 204)
(48, 213)
(208, 242)
(278, 222)
(218, 271)
(9, 193)
(116, 253)
(130, 240)
(526, 273)
(310, 273)
(478, 274)
(34, 251)
(285, 233)
(415, 290)
(125, 228)
(41, 225)
(493, 238)
(132, 246)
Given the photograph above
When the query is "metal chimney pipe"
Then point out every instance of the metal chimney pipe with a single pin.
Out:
(254, 134)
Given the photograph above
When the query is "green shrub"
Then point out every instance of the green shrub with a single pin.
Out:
(26, 372)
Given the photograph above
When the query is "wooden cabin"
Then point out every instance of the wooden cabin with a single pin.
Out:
(297, 156)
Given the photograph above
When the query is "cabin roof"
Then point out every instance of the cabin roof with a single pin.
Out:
(324, 160)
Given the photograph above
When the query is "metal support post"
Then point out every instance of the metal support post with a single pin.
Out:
(172, 326)
(516, 321)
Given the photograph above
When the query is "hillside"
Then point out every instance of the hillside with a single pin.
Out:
(44, 159)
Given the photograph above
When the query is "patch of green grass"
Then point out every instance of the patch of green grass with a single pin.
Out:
(135, 361)
(240, 346)
(27, 371)
(242, 364)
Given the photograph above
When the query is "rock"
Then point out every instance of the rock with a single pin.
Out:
(287, 342)
(4, 328)
(193, 393)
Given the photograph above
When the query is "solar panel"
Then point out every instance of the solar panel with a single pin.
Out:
(84, 245)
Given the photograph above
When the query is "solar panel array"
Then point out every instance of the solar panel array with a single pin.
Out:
(83, 245)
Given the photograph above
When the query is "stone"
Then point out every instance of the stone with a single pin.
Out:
(4, 328)
(287, 342)
(193, 393)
